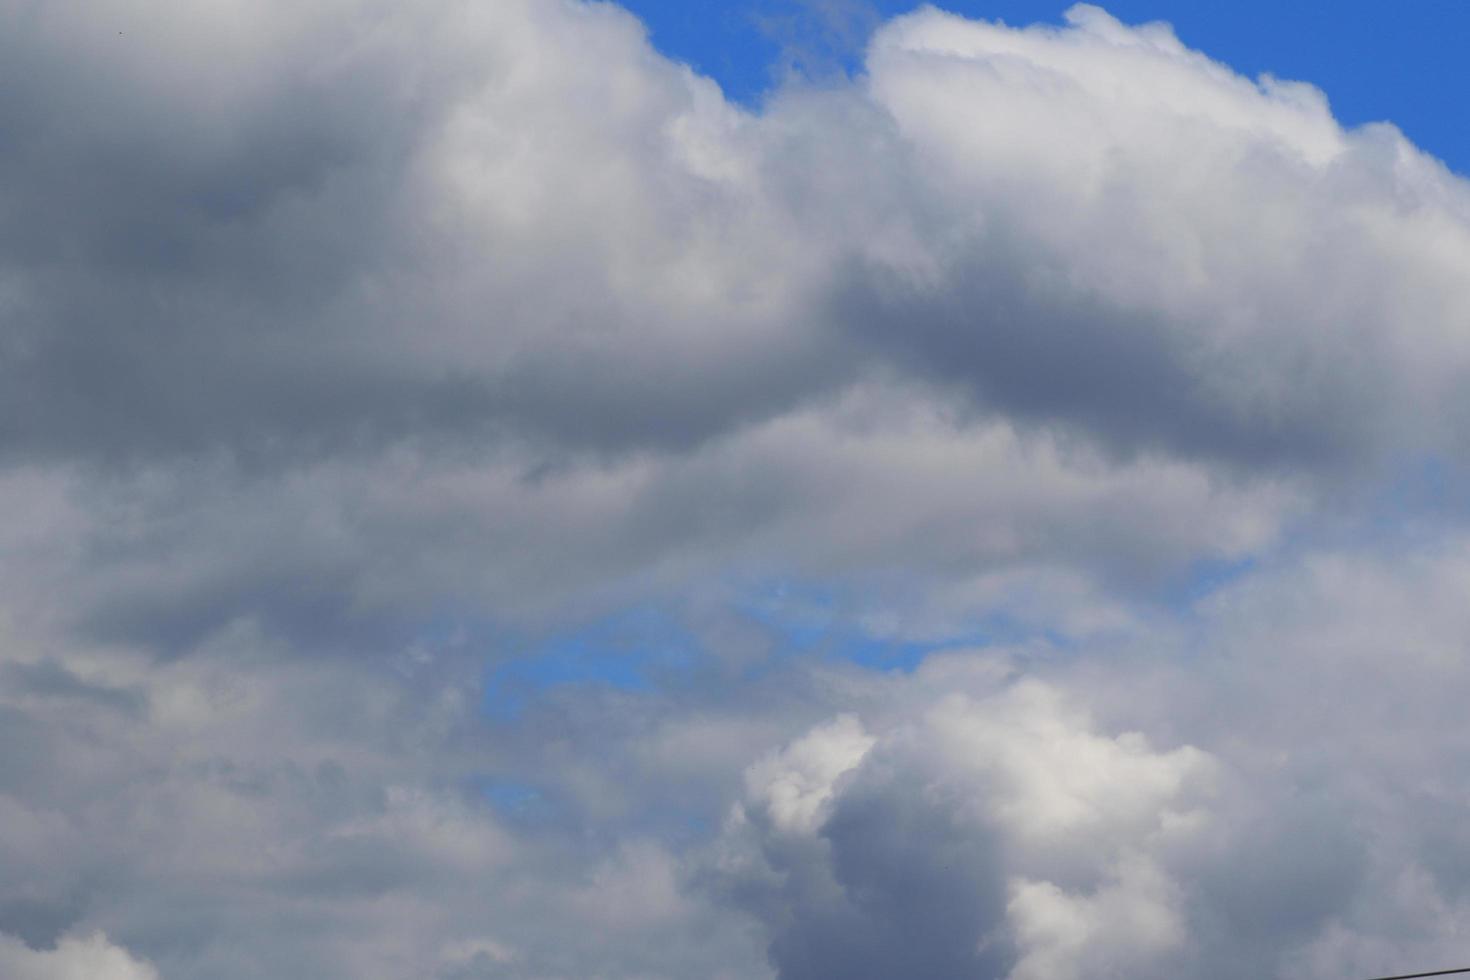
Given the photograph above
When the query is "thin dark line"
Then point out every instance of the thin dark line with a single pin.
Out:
(1437, 973)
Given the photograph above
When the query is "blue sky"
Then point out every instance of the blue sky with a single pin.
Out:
(1403, 62)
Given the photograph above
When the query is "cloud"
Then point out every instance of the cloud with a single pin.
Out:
(999, 308)
(794, 787)
(349, 353)
(1127, 237)
(989, 837)
(240, 253)
(364, 296)
(334, 809)
(1273, 780)
(352, 551)
(1268, 790)
(86, 958)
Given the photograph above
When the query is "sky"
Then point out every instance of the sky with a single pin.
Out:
(541, 490)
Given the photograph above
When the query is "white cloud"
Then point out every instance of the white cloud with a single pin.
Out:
(1118, 928)
(1048, 779)
(794, 787)
(995, 827)
(1136, 240)
(74, 958)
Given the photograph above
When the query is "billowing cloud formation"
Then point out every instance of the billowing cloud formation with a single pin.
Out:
(1142, 243)
(261, 226)
(1283, 808)
(515, 264)
(942, 848)
(456, 461)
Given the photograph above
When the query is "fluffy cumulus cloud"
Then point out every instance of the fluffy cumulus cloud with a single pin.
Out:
(940, 847)
(1276, 801)
(479, 503)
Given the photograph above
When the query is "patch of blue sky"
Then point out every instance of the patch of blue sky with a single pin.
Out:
(1400, 62)
(1204, 578)
(517, 800)
(631, 650)
(649, 649)
(803, 615)
(828, 623)
(511, 797)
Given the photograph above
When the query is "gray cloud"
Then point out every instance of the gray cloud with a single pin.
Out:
(1273, 779)
(319, 230)
(730, 349)
(1138, 242)
(361, 550)
(348, 354)
(330, 808)
(1272, 803)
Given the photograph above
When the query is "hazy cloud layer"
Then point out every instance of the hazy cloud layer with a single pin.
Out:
(356, 356)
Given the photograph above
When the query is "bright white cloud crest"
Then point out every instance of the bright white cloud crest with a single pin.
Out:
(458, 461)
